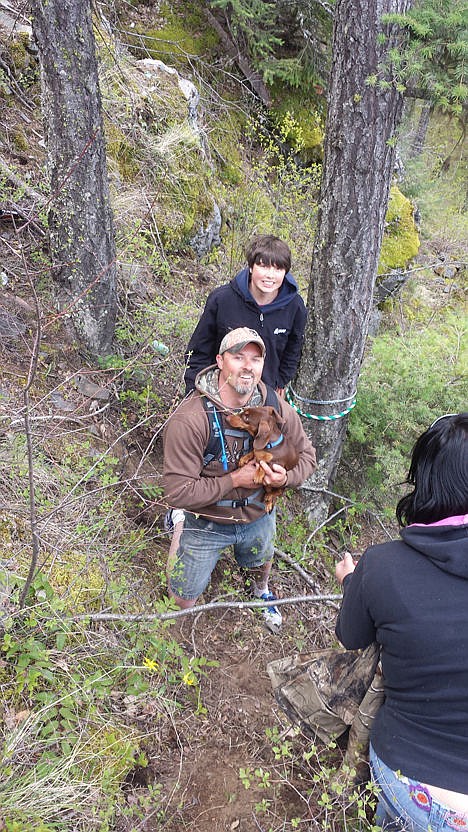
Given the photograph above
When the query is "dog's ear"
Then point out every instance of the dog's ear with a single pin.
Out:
(280, 420)
(262, 437)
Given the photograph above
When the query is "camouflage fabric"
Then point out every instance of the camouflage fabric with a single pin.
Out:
(322, 691)
(209, 382)
(358, 740)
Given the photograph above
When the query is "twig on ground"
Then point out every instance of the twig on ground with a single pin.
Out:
(69, 418)
(288, 559)
(27, 429)
(305, 575)
(239, 605)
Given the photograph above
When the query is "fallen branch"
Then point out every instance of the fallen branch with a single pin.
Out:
(223, 605)
(305, 575)
(68, 418)
(15, 180)
(253, 77)
(28, 214)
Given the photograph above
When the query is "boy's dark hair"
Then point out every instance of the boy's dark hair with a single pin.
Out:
(439, 473)
(269, 250)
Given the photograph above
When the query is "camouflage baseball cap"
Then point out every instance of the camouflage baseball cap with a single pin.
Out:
(237, 339)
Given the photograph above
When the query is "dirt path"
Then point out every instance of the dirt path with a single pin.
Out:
(218, 770)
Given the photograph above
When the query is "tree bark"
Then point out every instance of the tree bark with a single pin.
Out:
(359, 158)
(417, 145)
(80, 217)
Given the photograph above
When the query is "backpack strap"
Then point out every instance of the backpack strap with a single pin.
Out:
(246, 501)
(214, 448)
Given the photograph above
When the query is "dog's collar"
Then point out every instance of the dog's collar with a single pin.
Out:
(276, 442)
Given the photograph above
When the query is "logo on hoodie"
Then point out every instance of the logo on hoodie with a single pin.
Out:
(279, 331)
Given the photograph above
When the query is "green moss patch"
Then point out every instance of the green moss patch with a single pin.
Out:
(175, 42)
(401, 240)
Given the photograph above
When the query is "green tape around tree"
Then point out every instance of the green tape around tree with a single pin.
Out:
(330, 418)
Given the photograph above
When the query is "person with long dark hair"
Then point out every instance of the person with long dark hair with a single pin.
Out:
(411, 596)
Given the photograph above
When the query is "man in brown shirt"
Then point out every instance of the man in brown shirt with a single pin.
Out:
(223, 506)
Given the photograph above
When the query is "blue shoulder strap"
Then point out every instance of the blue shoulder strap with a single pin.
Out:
(216, 444)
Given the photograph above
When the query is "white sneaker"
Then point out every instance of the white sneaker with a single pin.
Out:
(271, 615)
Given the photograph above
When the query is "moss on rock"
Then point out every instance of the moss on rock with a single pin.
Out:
(174, 41)
(154, 143)
(401, 240)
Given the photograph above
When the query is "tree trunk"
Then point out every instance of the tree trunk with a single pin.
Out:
(358, 163)
(417, 145)
(80, 218)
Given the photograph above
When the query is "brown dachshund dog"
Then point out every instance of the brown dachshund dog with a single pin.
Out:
(265, 425)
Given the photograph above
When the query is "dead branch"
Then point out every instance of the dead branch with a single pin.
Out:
(13, 177)
(68, 418)
(27, 428)
(223, 605)
(288, 559)
(242, 62)
(26, 213)
(305, 575)
(167, 616)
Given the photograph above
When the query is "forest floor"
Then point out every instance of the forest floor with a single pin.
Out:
(224, 756)
(221, 755)
(235, 761)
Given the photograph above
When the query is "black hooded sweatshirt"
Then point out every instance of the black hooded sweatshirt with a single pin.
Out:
(411, 596)
(280, 323)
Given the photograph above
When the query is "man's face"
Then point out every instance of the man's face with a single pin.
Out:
(242, 370)
(266, 280)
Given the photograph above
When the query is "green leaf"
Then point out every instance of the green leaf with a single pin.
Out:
(60, 640)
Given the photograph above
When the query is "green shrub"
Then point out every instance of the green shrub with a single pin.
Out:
(406, 383)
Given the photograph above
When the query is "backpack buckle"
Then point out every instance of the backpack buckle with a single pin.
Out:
(240, 503)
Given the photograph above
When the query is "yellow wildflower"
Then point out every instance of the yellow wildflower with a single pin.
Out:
(188, 679)
(150, 664)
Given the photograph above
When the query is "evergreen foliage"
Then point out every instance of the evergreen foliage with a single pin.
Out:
(432, 65)
(288, 43)
(252, 21)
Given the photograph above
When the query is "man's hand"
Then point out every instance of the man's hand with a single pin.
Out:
(274, 475)
(344, 567)
(244, 477)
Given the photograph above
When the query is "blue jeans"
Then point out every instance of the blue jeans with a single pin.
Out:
(203, 541)
(405, 804)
